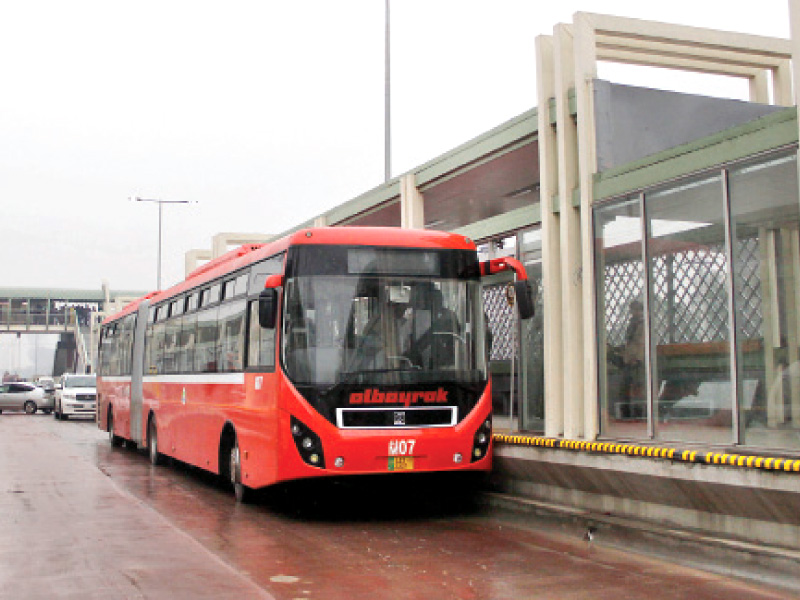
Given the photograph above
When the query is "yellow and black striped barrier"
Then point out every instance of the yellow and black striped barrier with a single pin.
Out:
(673, 454)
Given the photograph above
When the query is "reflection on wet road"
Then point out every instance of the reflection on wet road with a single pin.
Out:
(172, 532)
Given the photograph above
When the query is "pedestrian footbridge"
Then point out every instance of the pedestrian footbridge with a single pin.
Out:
(73, 314)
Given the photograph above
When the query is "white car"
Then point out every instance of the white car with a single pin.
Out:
(25, 396)
(77, 397)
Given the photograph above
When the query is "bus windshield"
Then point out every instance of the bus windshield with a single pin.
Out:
(407, 321)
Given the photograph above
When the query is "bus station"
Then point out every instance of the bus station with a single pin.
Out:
(656, 389)
(659, 379)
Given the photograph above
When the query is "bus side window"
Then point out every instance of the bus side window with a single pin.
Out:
(113, 347)
(105, 350)
(171, 332)
(186, 340)
(205, 348)
(158, 347)
(149, 351)
(126, 344)
(231, 336)
(261, 349)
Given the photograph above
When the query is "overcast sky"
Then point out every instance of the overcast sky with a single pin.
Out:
(263, 113)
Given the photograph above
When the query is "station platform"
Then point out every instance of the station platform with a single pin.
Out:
(747, 500)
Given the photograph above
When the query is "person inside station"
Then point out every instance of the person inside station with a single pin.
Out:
(631, 401)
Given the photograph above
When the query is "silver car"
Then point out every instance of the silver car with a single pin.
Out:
(77, 397)
(24, 396)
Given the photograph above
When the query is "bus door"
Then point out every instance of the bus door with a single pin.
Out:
(137, 371)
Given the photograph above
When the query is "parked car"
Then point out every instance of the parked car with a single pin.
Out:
(77, 397)
(47, 384)
(25, 396)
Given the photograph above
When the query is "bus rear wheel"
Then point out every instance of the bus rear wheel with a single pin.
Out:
(156, 458)
(112, 436)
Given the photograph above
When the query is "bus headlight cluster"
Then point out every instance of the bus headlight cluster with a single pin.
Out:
(482, 439)
(308, 444)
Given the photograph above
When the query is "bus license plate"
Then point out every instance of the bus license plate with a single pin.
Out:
(401, 463)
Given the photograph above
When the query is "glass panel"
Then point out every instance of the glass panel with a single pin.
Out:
(150, 350)
(231, 335)
(766, 218)
(38, 312)
(532, 346)
(157, 353)
(262, 342)
(229, 289)
(186, 341)
(621, 322)
(241, 283)
(213, 294)
(171, 333)
(5, 311)
(502, 333)
(57, 312)
(205, 350)
(126, 344)
(260, 271)
(689, 312)
(382, 330)
(19, 311)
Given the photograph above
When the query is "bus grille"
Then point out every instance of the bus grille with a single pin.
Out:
(396, 418)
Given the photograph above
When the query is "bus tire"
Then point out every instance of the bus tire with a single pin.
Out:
(156, 458)
(113, 438)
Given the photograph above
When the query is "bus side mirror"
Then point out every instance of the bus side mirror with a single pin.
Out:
(268, 301)
(268, 308)
(526, 303)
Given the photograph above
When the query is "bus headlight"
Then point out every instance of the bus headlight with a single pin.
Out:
(482, 439)
(308, 444)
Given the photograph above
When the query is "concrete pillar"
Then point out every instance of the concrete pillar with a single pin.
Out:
(585, 74)
(192, 259)
(412, 204)
(794, 28)
(570, 233)
(551, 251)
(782, 84)
(759, 88)
(222, 242)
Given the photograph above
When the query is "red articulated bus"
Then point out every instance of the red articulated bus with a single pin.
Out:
(333, 351)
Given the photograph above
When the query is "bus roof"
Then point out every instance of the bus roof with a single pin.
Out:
(247, 254)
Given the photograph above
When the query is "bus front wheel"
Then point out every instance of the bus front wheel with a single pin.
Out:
(242, 493)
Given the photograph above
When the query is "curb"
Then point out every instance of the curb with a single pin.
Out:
(763, 463)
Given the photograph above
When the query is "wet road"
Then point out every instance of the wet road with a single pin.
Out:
(79, 519)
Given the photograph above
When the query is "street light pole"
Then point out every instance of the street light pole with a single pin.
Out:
(387, 112)
(161, 204)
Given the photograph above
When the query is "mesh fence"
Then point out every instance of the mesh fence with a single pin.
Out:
(502, 321)
(689, 295)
